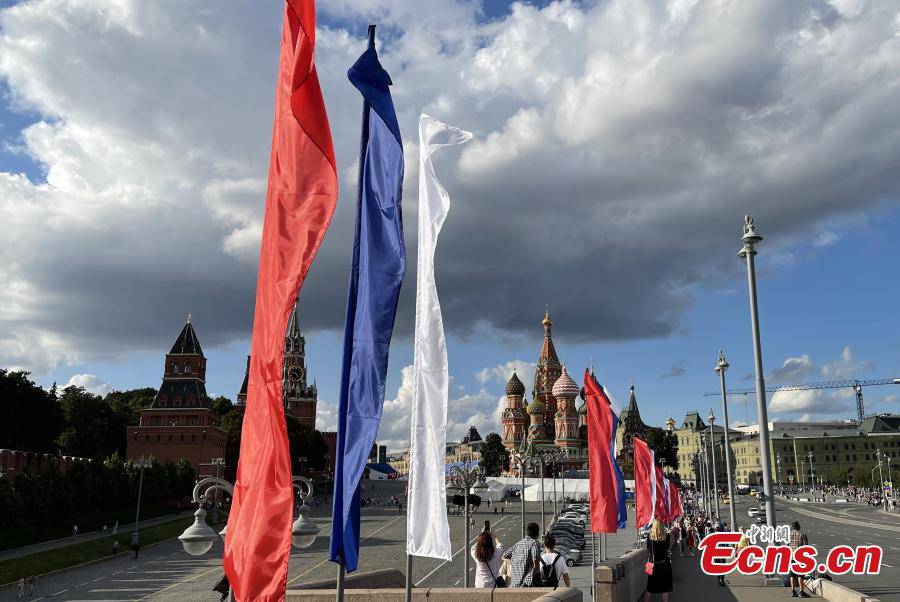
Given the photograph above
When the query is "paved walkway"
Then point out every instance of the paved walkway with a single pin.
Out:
(124, 531)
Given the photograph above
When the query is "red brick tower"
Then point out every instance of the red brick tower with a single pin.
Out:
(566, 391)
(179, 424)
(546, 373)
(514, 417)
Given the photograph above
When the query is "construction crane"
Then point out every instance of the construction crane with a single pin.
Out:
(856, 385)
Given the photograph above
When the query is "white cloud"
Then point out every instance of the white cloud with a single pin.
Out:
(793, 369)
(89, 383)
(480, 409)
(153, 130)
(501, 373)
(846, 366)
(813, 401)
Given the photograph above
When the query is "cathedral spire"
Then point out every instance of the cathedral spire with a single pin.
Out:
(548, 351)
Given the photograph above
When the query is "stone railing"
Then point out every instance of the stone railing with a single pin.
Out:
(388, 585)
(622, 579)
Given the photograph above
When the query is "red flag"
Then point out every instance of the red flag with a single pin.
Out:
(300, 201)
(661, 507)
(674, 502)
(604, 504)
(644, 483)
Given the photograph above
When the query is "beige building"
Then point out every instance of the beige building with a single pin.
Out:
(833, 452)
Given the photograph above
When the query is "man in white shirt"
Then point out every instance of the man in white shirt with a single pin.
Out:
(552, 558)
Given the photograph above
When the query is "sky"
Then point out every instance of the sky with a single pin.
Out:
(617, 147)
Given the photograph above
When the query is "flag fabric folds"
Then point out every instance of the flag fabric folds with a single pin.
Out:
(601, 449)
(301, 196)
(663, 499)
(376, 272)
(644, 483)
(427, 529)
(622, 514)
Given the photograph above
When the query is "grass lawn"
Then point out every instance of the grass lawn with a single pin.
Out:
(60, 558)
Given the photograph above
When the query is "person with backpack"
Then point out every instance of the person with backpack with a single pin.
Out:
(553, 565)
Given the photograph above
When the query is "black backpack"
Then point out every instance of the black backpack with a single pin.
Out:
(549, 578)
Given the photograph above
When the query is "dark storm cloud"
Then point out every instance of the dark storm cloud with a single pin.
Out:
(612, 165)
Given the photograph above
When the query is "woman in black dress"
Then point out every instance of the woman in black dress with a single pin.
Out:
(658, 544)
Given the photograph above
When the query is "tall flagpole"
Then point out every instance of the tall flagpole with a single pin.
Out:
(593, 566)
(339, 592)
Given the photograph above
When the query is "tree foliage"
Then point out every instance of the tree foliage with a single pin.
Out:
(221, 405)
(32, 419)
(304, 441)
(665, 445)
(88, 494)
(494, 456)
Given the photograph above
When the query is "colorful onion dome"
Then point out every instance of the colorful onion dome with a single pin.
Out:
(514, 387)
(536, 407)
(565, 387)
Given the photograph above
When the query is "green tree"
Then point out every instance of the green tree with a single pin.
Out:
(665, 445)
(125, 408)
(494, 456)
(92, 429)
(221, 405)
(32, 419)
(304, 442)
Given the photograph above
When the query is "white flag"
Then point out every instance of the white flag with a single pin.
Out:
(427, 529)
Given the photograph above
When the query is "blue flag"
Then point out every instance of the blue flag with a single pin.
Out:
(376, 273)
(622, 512)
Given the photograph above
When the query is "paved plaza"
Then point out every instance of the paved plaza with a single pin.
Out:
(165, 572)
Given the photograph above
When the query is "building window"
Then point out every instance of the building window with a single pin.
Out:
(174, 368)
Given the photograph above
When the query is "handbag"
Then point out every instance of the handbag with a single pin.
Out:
(648, 567)
(498, 580)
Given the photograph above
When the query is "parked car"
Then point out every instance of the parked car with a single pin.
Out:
(761, 517)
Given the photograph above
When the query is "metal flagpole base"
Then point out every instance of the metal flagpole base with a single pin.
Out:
(340, 583)
(409, 562)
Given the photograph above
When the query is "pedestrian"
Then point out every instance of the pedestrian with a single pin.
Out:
(524, 557)
(798, 538)
(115, 547)
(553, 565)
(74, 530)
(678, 539)
(659, 579)
(116, 527)
(21, 587)
(32, 585)
(502, 511)
(691, 539)
(488, 554)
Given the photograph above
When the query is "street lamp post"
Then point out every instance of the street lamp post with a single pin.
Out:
(141, 464)
(749, 242)
(216, 463)
(465, 478)
(778, 474)
(721, 366)
(881, 485)
(523, 463)
(712, 447)
(812, 475)
(553, 474)
(540, 460)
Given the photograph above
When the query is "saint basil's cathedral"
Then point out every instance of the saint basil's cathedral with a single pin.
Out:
(552, 422)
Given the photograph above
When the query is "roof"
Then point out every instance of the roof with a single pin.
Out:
(693, 421)
(187, 342)
(515, 387)
(884, 423)
(548, 351)
(631, 416)
(565, 387)
(472, 436)
(536, 407)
